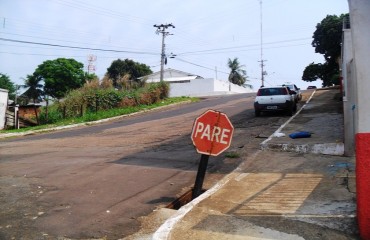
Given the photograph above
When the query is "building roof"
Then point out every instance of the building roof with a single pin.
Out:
(170, 74)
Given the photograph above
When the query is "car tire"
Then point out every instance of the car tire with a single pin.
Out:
(257, 113)
(290, 111)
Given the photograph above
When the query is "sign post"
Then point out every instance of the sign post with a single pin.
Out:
(211, 135)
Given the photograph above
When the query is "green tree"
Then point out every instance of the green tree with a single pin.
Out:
(237, 74)
(120, 68)
(90, 76)
(34, 91)
(60, 76)
(327, 40)
(6, 83)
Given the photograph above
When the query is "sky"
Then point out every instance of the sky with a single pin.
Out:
(207, 33)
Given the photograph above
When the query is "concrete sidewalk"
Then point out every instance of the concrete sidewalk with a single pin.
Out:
(291, 189)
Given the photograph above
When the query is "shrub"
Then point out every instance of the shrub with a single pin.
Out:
(92, 98)
(73, 104)
(54, 115)
(127, 101)
(165, 89)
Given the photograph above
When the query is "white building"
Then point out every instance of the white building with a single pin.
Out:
(3, 106)
(356, 98)
(191, 85)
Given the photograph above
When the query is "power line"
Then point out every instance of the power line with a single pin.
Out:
(53, 39)
(102, 11)
(242, 46)
(75, 47)
(198, 65)
(39, 54)
(208, 68)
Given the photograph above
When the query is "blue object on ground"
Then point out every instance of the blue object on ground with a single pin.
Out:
(300, 135)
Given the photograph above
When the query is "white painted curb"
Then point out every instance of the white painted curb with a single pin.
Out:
(324, 148)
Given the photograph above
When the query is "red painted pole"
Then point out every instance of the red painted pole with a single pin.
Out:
(363, 183)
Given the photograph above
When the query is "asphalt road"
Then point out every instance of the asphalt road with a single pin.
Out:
(97, 181)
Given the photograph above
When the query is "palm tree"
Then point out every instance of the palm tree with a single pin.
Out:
(237, 74)
(35, 88)
(35, 92)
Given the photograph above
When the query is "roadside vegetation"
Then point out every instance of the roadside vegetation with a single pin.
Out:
(72, 96)
(232, 154)
(96, 101)
(55, 119)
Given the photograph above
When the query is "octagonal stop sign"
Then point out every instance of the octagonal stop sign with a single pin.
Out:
(212, 133)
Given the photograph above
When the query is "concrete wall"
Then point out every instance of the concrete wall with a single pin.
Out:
(221, 86)
(205, 87)
(349, 96)
(195, 87)
(360, 22)
(3, 106)
(239, 89)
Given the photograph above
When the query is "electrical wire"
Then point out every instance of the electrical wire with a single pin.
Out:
(75, 47)
(241, 46)
(75, 4)
(208, 68)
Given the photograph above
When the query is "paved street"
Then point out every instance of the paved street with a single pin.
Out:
(97, 181)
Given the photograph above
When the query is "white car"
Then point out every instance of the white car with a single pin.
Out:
(293, 87)
(272, 99)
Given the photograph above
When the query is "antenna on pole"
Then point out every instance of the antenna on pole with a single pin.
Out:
(263, 73)
(91, 59)
(162, 29)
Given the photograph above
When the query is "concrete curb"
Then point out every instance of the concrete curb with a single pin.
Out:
(324, 148)
(164, 231)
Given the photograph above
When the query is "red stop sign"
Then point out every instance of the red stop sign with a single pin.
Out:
(212, 133)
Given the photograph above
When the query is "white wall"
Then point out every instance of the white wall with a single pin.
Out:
(196, 87)
(360, 22)
(3, 106)
(239, 89)
(349, 95)
(204, 87)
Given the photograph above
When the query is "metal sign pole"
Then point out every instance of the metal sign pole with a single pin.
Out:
(200, 176)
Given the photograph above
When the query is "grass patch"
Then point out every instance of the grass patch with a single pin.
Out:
(104, 114)
(232, 155)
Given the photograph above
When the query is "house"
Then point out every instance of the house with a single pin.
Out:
(3, 106)
(29, 111)
(192, 85)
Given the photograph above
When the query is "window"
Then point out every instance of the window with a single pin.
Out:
(272, 91)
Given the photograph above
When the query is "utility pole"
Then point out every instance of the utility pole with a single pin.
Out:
(263, 73)
(162, 29)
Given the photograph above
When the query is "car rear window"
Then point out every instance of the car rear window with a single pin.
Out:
(272, 91)
(291, 87)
